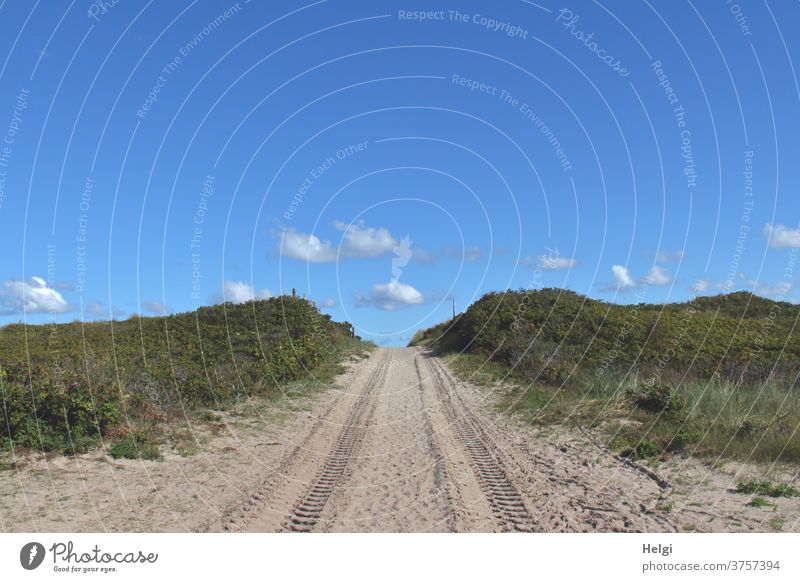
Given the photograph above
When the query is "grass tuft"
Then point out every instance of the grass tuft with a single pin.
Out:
(767, 488)
(760, 502)
(135, 446)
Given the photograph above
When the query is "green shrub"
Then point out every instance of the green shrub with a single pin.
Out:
(64, 386)
(706, 337)
(47, 409)
(643, 450)
(725, 387)
(658, 398)
(754, 486)
(135, 446)
(79, 444)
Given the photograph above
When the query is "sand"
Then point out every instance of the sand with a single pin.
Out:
(397, 445)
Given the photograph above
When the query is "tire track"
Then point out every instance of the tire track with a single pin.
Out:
(306, 513)
(576, 489)
(444, 482)
(470, 510)
(233, 518)
(506, 502)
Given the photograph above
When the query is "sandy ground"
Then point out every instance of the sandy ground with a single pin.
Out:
(397, 445)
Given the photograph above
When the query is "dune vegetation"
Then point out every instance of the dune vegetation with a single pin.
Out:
(714, 376)
(69, 387)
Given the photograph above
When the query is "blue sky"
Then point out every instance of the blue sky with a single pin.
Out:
(158, 157)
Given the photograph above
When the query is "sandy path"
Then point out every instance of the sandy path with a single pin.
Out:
(414, 450)
(397, 445)
(405, 477)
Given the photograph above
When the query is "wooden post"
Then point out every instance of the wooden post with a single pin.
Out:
(294, 292)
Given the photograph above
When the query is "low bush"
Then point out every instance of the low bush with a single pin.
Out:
(54, 409)
(723, 369)
(643, 450)
(135, 446)
(64, 386)
(658, 398)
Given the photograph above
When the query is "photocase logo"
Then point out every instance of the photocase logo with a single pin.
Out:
(402, 256)
(31, 555)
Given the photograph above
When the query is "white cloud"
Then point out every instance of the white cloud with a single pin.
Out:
(423, 256)
(776, 291)
(773, 291)
(658, 276)
(470, 254)
(555, 263)
(622, 278)
(358, 241)
(669, 256)
(390, 296)
(96, 309)
(364, 241)
(34, 297)
(328, 302)
(155, 307)
(780, 236)
(241, 292)
(306, 247)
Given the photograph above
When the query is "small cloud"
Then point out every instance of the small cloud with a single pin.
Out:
(390, 296)
(155, 307)
(96, 309)
(549, 263)
(700, 286)
(780, 236)
(423, 256)
(779, 289)
(34, 297)
(500, 251)
(724, 286)
(306, 247)
(658, 276)
(364, 241)
(469, 254)
(669, 256)
(622, 279)
(241, 292)
(328, 302)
